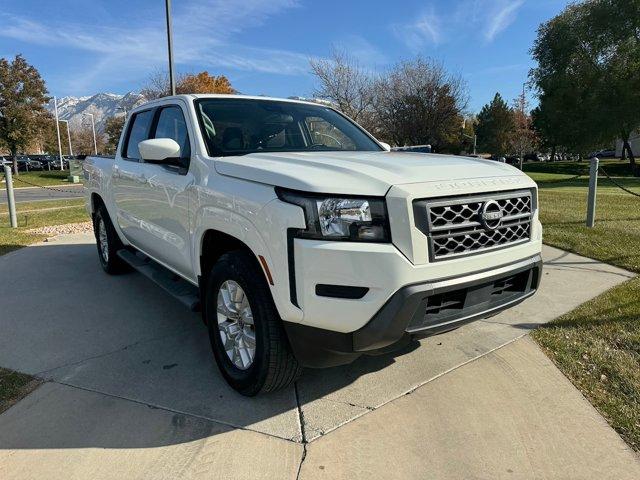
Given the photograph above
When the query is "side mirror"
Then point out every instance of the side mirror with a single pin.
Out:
(386, 146)
(160, 150)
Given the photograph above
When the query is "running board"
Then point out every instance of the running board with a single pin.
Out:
(173, 284)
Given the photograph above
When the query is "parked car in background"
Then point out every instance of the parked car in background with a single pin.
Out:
(603, 154)
(52, 162)
(26, 164)
(509, 159)
(536, 157)
(46, 161)
(413, 149)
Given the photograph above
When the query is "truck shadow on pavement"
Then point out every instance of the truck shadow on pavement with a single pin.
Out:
(128, 366)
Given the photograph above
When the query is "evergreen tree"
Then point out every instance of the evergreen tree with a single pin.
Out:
(495, 126)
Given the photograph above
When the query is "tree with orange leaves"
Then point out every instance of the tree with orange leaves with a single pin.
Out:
(203, 82)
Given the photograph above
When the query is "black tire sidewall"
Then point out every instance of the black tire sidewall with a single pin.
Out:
(97, 218)
(238, 267)
(114, 265)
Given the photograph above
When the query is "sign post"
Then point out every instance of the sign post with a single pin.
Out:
(593, 187)
(10, 199)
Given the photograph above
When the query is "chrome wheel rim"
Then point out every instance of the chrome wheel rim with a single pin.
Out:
(103, 240)
(235, 325)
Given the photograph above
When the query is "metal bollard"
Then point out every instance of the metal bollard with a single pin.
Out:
(10, 199)
(593, 187)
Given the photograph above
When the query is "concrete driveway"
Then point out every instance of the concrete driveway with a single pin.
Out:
(133, 391)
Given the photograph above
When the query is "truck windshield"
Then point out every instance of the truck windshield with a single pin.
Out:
(238, 126)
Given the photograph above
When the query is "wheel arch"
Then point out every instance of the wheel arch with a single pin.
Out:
(95, 202)
(215, 243)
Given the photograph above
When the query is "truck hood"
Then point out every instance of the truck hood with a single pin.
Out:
(357, 173)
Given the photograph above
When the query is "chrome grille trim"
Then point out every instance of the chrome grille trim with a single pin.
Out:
(454, 228)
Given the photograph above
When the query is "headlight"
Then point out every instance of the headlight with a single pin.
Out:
(336, 217)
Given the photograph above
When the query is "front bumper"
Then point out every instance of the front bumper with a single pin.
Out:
(420, 309)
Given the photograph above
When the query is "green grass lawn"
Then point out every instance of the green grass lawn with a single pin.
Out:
(597, 346)
(14, 386)
(54, 177)
(39, 215)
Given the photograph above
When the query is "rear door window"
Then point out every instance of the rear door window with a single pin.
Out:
(139, 131)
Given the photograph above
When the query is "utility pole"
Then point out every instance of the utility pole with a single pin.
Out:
(172, 78)
(55, 107)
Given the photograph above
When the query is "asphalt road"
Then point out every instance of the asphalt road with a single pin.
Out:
(35, 194)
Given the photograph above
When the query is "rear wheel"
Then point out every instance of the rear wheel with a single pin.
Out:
(246, 333)
(108, 243)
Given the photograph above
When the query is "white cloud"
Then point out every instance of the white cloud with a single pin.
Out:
(204, 35)
(502, 15)
(486, 18)
(426, 30)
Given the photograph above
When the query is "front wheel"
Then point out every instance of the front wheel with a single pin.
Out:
(246, 333)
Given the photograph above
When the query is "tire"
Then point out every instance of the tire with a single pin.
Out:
(107, 252)
(273, 365)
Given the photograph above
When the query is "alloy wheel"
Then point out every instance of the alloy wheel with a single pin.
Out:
(235, 324)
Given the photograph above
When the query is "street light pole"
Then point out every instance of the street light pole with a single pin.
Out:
(475, 137)
(55, 106)
(93, 127)
(172, 79)
(69, 137)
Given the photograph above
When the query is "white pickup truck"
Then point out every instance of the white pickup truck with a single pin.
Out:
(301, 238)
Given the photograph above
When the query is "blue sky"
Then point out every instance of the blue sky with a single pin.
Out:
(83, 47)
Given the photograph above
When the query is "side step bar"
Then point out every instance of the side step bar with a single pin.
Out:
(173, 284)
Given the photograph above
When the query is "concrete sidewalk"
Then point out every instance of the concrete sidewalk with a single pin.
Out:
(133, 391)
(511, 414)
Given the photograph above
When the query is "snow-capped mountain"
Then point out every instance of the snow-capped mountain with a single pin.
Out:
(101, 105)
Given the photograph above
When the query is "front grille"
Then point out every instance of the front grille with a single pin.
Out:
(465, 225)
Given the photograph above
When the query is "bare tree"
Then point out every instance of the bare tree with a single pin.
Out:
(157, 85)
(82, 140)
(344, 82)
(419, 102)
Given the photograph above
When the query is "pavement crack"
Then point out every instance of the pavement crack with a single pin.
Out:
(304, 456)
(303, 429)
(301, 421)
